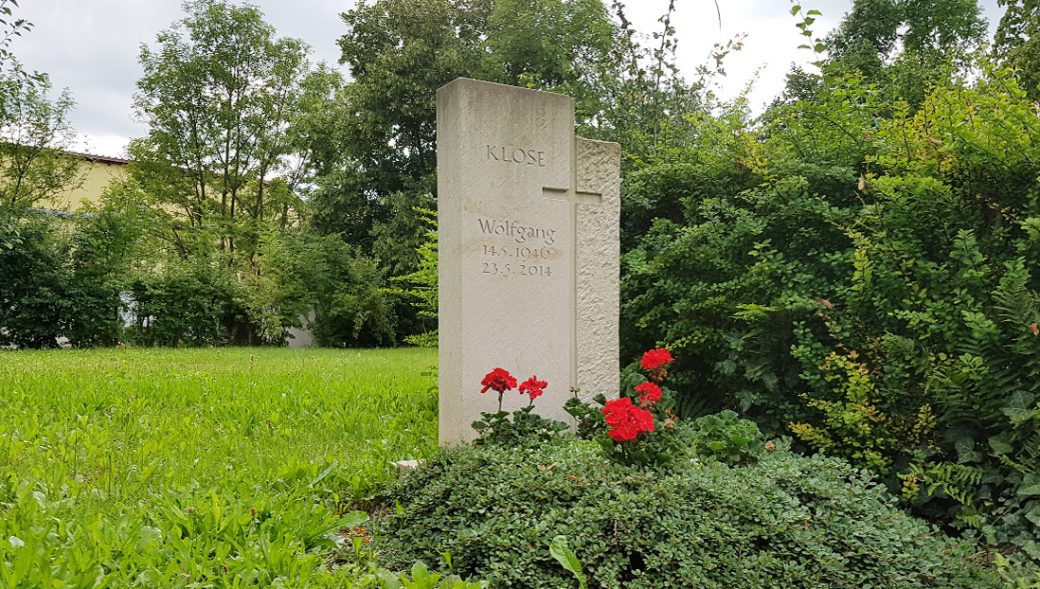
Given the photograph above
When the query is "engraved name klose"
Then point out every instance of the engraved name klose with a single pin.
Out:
(516, 155)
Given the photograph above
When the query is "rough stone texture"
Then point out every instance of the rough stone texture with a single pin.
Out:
(598, 264)
(528, 229)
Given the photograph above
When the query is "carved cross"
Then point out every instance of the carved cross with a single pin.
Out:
(576, 197)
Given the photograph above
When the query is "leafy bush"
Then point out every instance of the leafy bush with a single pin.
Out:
(727, 438)
(420, 577)
(419, 288)
(60, 277)
(303, 272)
(787, 521)
(187, 303)
(32, 281)
(867, 282)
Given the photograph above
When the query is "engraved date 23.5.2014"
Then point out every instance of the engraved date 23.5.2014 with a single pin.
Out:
(517, 260)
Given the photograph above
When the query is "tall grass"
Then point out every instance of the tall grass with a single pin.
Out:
(197, 468)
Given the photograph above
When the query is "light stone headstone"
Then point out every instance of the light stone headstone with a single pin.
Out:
(528, 218)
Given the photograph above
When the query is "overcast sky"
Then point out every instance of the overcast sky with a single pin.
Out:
(91, 46)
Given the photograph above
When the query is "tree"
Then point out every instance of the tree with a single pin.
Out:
(903, 46)
(34, 130)
(12, 76)
(34, 161)
(400, 51)
(239, 125)
(1017, 43)
(876, 32)
(219, 94)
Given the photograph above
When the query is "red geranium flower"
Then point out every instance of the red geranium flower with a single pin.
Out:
(626, 421)
(656, 358)
(533, 387)
(649, 393)
(498, 379)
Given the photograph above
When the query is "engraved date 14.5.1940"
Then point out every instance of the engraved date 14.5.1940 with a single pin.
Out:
(517, 260)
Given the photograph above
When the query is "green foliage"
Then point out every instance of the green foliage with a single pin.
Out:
(77, 277)
(420, 577)
(404, 244)
(303, 273)
(726, 438)
(519, 428)
(219, 93)
(100, 255)
(400, 51)
(866, 283)
(34, 166)
(32, 281)
(1017, 44)
(786, 521)
(905, 46)
(236, 133)
(359, 313)
(189, 303)
(1015, 577)
(61, 278)
(587, 416)
(34, 127)
(561, 551)
(10, 29)
(406, 227)
(184, 468)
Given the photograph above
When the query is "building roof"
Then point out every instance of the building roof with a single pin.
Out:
(105, 159)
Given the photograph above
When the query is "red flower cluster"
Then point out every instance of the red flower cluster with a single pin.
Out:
(533, 387)
(656, 358)
(649, 393)
(499, 380)
(626, 421)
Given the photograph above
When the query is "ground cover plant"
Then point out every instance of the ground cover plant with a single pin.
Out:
(640, 498)
(199, 468)
(783, 521)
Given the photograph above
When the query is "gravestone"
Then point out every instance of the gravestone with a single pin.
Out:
(528, 223)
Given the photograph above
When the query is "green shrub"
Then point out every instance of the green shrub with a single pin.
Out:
(186, 303)
(32, 282)
(305, 273)
(726, 438)
(420, 577)
(787, 521)
(60, 278)
(869, 286)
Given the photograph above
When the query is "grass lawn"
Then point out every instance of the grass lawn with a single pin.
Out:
(208, 468)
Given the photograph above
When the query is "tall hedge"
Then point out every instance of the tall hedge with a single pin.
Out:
(867, 282)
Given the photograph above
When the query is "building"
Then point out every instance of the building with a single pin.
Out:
(96, 172)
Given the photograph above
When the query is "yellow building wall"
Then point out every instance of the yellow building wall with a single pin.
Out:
(94, 176)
